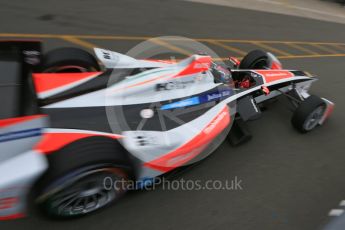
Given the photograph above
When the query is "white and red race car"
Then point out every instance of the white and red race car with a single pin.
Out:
(65, 124)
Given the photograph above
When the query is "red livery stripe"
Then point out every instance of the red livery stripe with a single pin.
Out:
(47, 81)
(162, 61)
(276, 66)
(199, 65)
(54, 141)
(8, 202)
(12, 121)
(194, 147)
(12, 217)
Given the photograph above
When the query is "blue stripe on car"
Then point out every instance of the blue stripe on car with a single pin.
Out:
(20, 134)
(183, 103)
(204, 98)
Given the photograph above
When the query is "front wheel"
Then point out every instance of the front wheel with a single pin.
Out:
(309, 114)
(69, 60)
(256, 59)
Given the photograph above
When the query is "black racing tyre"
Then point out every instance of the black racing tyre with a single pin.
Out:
(82, 178)
(69, 60)
(308, 114)
(256, 59)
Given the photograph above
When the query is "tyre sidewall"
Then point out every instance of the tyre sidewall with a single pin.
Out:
(304, 110)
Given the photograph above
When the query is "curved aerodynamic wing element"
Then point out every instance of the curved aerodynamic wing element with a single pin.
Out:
(114, 60)
(274, 62)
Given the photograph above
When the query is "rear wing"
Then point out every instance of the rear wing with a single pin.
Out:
(17, 94)
(21, 126)
(114, 60)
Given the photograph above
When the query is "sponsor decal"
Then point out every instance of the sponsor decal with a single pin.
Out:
(31, 57)
(215, 122)
(202, 65)
(180, 159)
(107, 55)
(199, 77)
(173, 85)
(218, 95)
(183, 103)
(145, 140)
(274, 75)
(8, 202)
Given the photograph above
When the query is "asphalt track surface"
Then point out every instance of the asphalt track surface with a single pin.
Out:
(290, 181)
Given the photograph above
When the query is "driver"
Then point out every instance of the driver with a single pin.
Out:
(245, 83)
(221, 74)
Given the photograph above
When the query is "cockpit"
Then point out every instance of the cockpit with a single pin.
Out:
(234, 79)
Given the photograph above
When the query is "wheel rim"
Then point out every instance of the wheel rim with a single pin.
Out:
(68, 69)
(85, 195)
(314, 118)
(260, 64)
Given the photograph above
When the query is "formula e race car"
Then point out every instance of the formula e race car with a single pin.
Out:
(66, 122)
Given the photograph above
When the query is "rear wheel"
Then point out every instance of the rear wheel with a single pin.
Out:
(69, 60)
(84, 191)
(309, 113)
(256, 59)
(82, 178)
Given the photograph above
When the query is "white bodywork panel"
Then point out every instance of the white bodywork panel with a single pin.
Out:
(18, 175)
(141, 88)
(114, 60)
(20, 166)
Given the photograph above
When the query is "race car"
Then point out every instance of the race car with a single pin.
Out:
(68, 121)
